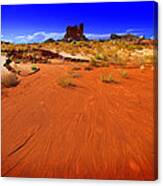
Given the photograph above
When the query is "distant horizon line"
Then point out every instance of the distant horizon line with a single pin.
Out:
(39, 37)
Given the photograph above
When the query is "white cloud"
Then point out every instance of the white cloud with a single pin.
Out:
(97, 36)
(152, 37)
(135, 31)
(130, 30)
(7, 40)
(38, 37)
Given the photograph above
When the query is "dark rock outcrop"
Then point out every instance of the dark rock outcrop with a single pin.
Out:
(127, 37)
(5, 42)
(75, 33)
(50, 40)
(148, 42)
(32, 55)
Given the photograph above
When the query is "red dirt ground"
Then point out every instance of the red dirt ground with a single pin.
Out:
(95, 130)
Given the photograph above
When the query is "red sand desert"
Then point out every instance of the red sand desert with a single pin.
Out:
(93, 130)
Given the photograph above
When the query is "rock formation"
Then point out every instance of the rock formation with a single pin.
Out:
(148, 42)
(75, 33)
(127, 37)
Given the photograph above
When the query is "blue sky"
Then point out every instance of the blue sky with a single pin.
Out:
(34, 23)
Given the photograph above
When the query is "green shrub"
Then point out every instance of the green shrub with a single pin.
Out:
(99, 56)
(34, 67)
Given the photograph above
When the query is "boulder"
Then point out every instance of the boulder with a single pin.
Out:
(9, 79)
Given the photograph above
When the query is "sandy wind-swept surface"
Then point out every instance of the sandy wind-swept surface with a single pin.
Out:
(94, 130)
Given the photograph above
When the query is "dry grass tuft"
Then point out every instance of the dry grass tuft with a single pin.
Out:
(76, 68)
(94, 62)
(124, 74)
(88, 68)
(107, 78)
(66, 82)
(76, 75)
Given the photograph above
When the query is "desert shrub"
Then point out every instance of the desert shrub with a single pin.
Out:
(66, 82)
(124, 74)
(78, 43)
(142, 67)
(141, 60)
(107, 78)
(99, 56)
(105, 57)
(72, 52)
(70, 72)
(134, 47)
(76, 75)
(85, 44)
(76, 68)
(73, 42)
(34, 67)
(94, 62)
(150, 58)
(73, 74)
(119, 59)
(88, 68)
(104, 64)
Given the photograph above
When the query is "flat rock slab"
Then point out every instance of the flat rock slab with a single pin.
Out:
(28, 72)
(22, 67)
(67, 56)
(70, 57)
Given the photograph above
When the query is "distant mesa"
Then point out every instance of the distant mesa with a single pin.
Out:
(126, 37)
(149, 42)
(75, 33)
(134, 39)
(5, 42)
(50, 40)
